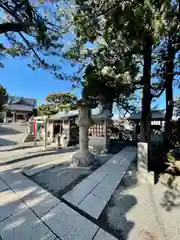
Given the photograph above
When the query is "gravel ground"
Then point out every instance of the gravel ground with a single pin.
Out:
(140, 211)
(60, 179)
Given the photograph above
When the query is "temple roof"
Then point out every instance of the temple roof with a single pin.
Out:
(21, 101)
(156, 115)
(20, 107)
(97, 113)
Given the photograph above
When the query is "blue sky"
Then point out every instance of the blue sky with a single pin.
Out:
(20, 80)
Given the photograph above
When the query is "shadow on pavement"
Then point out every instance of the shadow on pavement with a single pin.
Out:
(8, 131)
(18, 221)
(60, 150)
(39, 154)
(5, 142)
(113, 218)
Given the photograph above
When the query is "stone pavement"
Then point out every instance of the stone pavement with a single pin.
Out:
(92, 194)
(35, 159)
(11, 134)
(27, 211)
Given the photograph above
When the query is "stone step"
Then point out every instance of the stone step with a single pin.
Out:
(29, 138)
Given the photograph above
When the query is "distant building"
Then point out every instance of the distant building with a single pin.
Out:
(19, 108)
(157, 124)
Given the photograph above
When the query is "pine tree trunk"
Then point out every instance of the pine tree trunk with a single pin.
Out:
(169, 97)
(146, 100)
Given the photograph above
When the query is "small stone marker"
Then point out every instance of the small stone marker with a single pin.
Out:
(142, 165)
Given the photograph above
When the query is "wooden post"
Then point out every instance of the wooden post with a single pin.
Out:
(35, 132)
(14, 117)
(45, 133)
(57, 141)
(105, 134)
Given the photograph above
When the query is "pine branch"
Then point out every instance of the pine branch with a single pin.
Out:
(14, 27)
(32, 49)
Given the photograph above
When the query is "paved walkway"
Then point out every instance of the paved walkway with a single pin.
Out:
(11, 134)
(36, 159)
(92, 194)
(27, 211)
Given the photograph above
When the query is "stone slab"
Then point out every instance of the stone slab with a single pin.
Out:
(102, 235)
(116, 158)
(25, 225)
(12, 177)
(80, 191)
(96, 175)
(63, 158)
(112, 181)
(3, 186)
(38, 169)
(9, 204)
(103, 192)
(68, 224)
(40, 203)
(117, 172)
(92, 199)
(35, 197)
(92, 205)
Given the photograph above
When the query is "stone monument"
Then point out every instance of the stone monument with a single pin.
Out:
(83, 157)
(144, 173)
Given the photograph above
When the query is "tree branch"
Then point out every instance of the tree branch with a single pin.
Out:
(28, 44)
(140, 62)
(159, 94)
(174, 73)
(14, 27)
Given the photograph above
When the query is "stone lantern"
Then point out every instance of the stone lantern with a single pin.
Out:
(83, 157)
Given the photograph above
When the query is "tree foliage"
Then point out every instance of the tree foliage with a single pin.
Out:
(140, 38)
(61, 98)
(3, 96)
(125, 33)
(177, 107)
(30, 28)
(46, 110)
(57, 102)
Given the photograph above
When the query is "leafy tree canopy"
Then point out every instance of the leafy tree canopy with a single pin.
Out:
(3, 96)
(57, 102)
(61, 98)
(46, 110)
(32, 28)
(177, 107)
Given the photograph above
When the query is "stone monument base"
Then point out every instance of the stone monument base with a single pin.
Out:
(80, 159)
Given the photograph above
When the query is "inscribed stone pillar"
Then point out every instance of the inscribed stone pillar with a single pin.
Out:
(143, 155)
(83, 157)
(144, 173)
